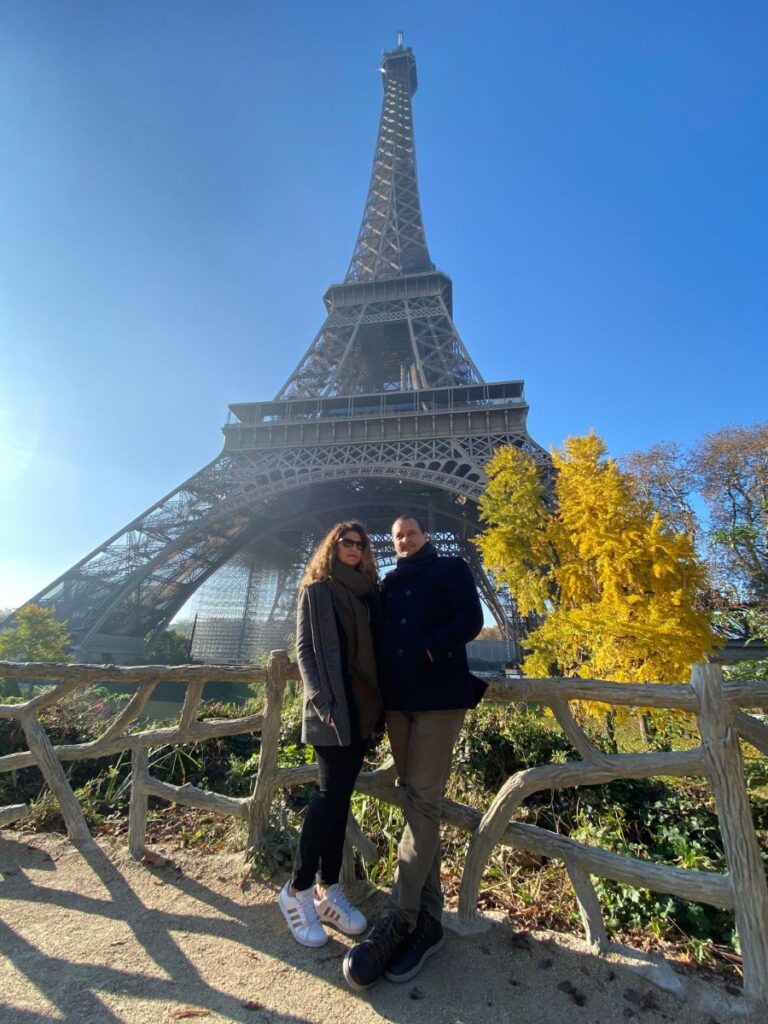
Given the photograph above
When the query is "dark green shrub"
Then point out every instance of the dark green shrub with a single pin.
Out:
(499, 740)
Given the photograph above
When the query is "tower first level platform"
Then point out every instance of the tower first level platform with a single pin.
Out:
(478, 410)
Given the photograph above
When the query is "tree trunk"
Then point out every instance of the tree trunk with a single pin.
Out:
(610, 732)
(647, 730)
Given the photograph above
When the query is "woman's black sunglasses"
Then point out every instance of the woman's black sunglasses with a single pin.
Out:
(347, 542)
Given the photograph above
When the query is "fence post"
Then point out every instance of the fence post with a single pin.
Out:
(347, 873)
(258, 812)
(725, 768)
(45, 756)
(137, 813)
(589, 906)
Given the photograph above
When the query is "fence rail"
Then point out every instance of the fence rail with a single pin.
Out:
(717, 705)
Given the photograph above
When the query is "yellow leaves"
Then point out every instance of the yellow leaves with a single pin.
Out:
(515, 547)
(618, 583)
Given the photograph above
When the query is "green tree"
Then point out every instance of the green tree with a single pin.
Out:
(731, 472)
(753, 624)
(665, 478)
(170, 648)
(727, 471)
(618, 586)
(36, 636)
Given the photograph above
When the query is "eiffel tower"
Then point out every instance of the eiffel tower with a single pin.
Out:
(386, 412)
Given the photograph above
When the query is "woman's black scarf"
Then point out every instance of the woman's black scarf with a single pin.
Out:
(353, 593)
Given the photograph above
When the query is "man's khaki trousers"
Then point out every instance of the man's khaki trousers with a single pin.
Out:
(422, 744)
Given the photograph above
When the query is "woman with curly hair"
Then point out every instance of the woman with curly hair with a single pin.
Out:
(337, 612)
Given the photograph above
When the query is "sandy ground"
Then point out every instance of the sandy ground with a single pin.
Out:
(97, 938)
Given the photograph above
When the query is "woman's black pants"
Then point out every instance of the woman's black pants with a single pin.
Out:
(321, 845)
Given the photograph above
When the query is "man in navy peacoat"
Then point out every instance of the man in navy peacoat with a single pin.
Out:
(431, 611)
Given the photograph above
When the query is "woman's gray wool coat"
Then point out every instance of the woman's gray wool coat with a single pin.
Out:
(319, 656)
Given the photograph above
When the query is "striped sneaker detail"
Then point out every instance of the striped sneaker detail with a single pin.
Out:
(301, 917)
(334, 909)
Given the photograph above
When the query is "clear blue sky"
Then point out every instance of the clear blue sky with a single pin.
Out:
(181, 180)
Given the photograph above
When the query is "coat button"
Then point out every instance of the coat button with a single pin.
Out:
(403, 621)
(400, 653)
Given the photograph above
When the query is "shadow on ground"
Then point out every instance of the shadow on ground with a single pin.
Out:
(97, 939)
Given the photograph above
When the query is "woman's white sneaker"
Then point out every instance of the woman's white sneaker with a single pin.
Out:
(301, 917)
(335, 909)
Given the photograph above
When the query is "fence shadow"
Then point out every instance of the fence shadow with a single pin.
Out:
(100, 939)
(716, 705)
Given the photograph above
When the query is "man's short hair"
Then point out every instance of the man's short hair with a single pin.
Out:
(410, 515)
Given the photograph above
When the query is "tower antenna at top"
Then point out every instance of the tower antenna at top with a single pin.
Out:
(400, 38)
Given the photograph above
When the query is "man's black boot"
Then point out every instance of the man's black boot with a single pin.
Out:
(368, 960)
(423, 941)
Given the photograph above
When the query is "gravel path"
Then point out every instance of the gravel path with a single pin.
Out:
(97, 939)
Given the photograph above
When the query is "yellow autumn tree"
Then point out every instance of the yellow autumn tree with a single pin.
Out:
(617, 586)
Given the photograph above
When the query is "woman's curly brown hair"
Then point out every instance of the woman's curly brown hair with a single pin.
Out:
(320, 564)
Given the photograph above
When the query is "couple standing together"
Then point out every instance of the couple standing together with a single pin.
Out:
(369, 653)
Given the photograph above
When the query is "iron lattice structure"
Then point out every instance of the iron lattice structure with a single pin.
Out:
(390, 324)
(385, 412)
